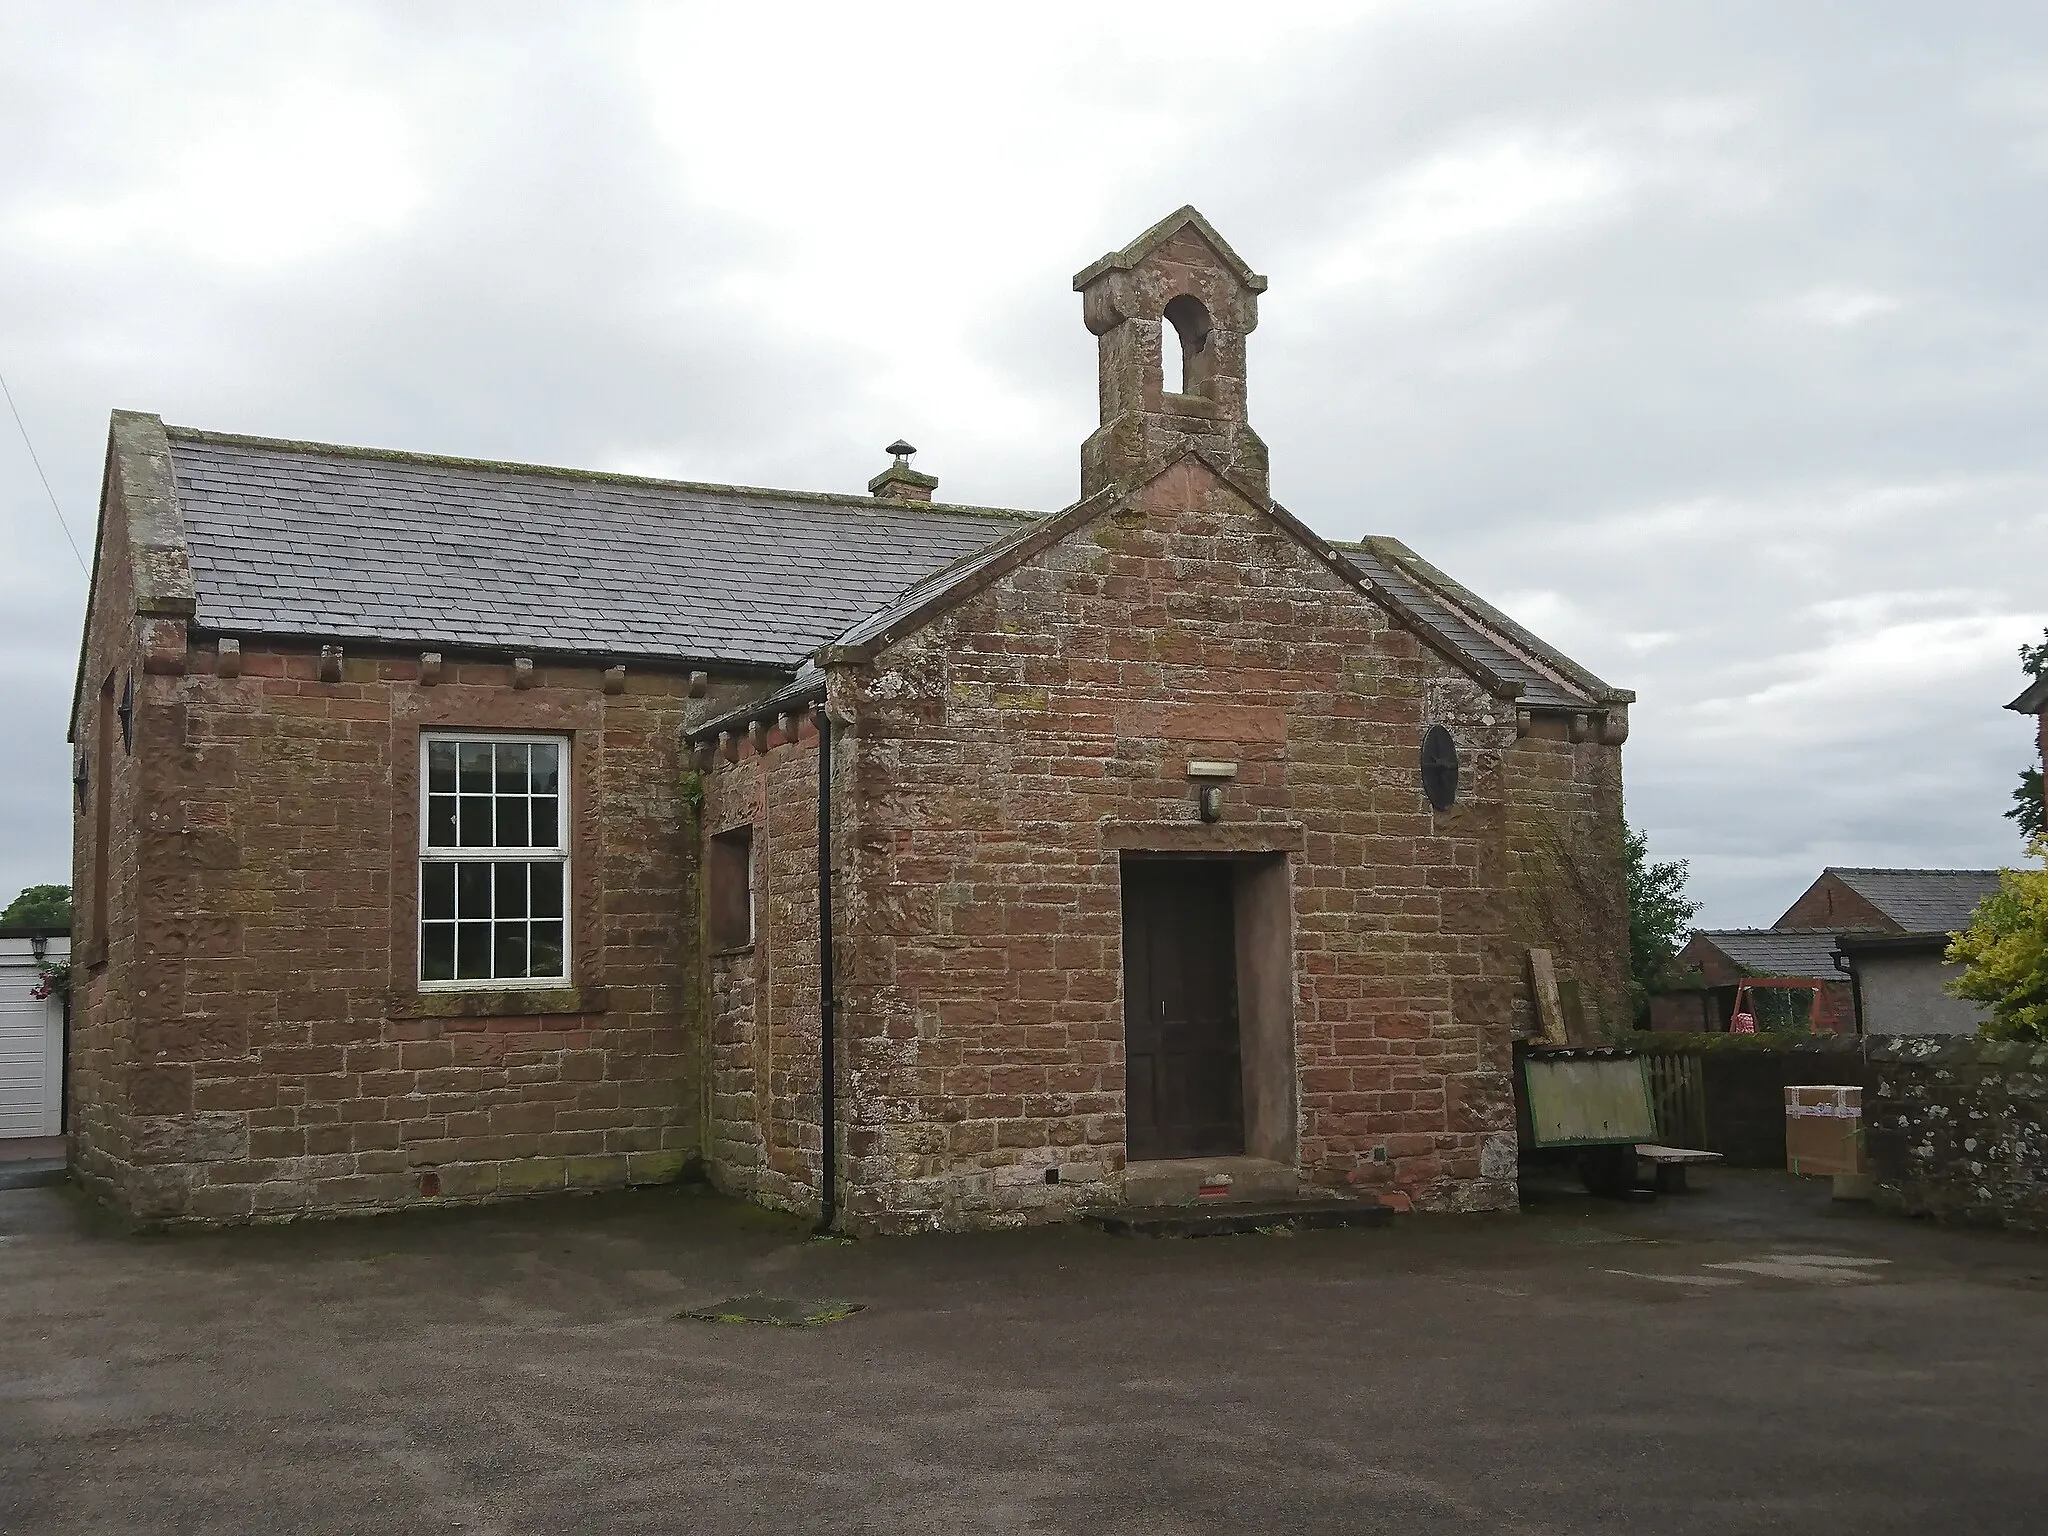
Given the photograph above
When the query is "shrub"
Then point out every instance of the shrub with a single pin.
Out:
(2004, 953)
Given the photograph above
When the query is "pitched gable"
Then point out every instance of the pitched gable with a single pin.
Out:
(1183, 223)
(1454, 634)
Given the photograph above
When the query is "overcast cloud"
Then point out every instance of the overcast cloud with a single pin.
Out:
(1710, 340)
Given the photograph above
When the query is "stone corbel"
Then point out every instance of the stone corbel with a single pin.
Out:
(757, 735)
(1580, 729)
(228, 659)
(1525, 722)
(163, 646)
(700, 683)
(1614, 725)
(522, 671)
(1107, 303)
(330, 663)
(430, 668)
(615, 680)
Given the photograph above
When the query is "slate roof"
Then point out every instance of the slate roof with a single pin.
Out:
(1482, 632)
(326, 542)
(1922, 900)
(310, 539)
(1775, 951)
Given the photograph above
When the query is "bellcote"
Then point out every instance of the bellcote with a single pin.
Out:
(1170, 312)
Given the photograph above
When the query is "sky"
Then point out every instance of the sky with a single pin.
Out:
(1710, 340)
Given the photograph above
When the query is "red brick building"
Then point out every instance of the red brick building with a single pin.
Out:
(1881, 908)
(449, 830)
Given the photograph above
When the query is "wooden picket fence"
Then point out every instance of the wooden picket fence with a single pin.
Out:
(1678, 1094)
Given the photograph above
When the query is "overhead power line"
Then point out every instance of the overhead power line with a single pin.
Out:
(31, 447)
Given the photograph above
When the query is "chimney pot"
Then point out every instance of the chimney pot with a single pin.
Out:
(899, 482)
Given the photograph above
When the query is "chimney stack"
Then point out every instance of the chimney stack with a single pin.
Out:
(899, 482)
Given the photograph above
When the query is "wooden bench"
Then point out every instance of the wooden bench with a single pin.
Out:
(1668, 1165)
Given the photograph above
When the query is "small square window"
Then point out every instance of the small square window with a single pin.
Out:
(730, 898)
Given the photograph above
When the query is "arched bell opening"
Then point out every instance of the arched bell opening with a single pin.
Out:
(1185, 355)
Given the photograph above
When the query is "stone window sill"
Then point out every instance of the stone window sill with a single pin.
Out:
(733, 951)
(502, 1003)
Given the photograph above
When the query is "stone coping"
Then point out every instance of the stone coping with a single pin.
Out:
(1940, 1049)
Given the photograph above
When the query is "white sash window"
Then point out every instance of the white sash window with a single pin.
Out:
(494, 860)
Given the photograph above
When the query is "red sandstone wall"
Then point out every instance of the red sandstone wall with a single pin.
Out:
(763, 1014)
(102, 987)
(1568, 876)
(981, 946)
(280, 1057)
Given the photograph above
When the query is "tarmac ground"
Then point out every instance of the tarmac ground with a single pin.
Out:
(1750, 1357)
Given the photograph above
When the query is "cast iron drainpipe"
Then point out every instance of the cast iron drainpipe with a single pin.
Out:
(828, 1097)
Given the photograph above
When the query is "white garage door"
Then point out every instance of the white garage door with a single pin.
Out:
(31, 1045)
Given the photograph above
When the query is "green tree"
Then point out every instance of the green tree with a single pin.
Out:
(43, 906)
(1658, 913)
(2027, 808)
(2004, 953)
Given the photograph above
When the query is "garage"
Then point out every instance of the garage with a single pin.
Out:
(31, 1035)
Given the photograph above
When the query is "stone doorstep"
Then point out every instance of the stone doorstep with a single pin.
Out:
(1181, 1180)
(1225, 1218)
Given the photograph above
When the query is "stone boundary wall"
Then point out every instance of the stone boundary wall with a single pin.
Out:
(1957, 1129)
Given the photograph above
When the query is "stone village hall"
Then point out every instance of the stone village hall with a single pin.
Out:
(450, 830)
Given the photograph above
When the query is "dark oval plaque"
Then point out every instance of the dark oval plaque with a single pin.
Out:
(1439, 767)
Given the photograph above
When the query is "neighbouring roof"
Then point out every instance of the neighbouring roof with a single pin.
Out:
(1853, 944)
(334, 543)
(2035, 700)
(1775, 951)
(1922, 900)
(35, 930)
(349, 544)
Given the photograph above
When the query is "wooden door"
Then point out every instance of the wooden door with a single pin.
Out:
(1183, 1080)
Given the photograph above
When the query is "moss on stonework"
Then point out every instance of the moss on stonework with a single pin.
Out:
(1362, 677)
(1562, 898)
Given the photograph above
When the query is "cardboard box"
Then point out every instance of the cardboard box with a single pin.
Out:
(1824, 1129)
